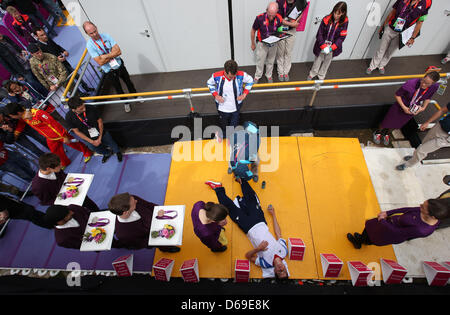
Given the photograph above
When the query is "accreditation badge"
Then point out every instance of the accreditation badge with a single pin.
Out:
(114, 64)
(93, 132)
(399, 24)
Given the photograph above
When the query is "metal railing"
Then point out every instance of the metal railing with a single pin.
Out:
(294, 86)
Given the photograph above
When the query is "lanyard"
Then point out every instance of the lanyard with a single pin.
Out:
(267, 24)
(416, 99)
(42, 68)
(106, 48)
(334, 32)
(84, 121)
(406, 6)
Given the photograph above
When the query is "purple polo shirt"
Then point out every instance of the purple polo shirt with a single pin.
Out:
(410, 13)
(409, 88)
(284, 7)
(396, 118)
(399, 228)
(264, 27)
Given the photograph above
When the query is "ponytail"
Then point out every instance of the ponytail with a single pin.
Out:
(215, 211)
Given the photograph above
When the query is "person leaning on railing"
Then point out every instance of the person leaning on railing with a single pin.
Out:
(329, 39)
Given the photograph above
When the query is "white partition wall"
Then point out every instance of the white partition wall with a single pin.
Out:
(177, 35)
(190, 34)
(162, 36)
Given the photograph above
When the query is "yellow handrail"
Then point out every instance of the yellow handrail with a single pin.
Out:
(278, 84)
(74, 73)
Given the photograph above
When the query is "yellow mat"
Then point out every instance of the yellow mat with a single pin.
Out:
(285, 191)
(185, 187)
(340, 199)
(320, 189)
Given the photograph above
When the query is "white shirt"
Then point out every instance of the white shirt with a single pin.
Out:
(72, 223)
(229, 105)
(134, 216)
(51, 176)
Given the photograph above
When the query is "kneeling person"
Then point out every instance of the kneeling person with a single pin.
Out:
(208, 220)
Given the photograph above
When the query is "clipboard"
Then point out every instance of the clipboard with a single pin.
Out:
(275, 38)
(406, 35)
(297, 9)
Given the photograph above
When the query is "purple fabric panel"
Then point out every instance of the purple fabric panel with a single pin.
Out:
(11, 242)
(28, 246)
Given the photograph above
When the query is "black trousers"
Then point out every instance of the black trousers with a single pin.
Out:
(249, 213)
(121, 73)
(228, 119)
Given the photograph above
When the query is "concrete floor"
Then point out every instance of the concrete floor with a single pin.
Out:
(409, 188)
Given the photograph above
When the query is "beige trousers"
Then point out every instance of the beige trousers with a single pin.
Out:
(321, 65)
(388, 45)
(284, 53)
(435, 139)
(265, 55)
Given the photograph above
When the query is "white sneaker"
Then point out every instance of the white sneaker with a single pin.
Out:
(127, 107)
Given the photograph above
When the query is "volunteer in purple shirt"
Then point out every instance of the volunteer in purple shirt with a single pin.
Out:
(266, 24)
(411, 99)
(330, 36)
(412, 223)
(404, 14)
(285, 46)
(208, 220)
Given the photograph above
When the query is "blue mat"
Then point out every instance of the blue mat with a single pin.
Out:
(145, 175)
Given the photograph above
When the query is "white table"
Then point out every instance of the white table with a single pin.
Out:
(158, 224)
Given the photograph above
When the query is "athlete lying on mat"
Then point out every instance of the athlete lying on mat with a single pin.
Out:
(246, 212)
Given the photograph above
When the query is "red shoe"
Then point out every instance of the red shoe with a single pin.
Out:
(213, 185)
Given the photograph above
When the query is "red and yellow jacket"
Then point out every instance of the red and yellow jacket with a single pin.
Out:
(46, 125)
